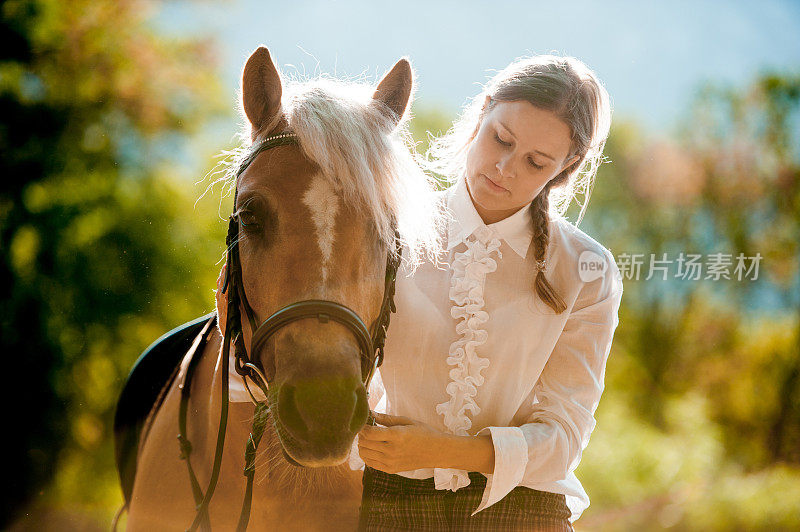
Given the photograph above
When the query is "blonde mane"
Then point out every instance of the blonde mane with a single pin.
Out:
(367, 159)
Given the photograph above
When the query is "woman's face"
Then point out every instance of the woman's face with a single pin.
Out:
(517, 150)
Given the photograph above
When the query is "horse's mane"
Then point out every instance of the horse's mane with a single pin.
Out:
(367, 159)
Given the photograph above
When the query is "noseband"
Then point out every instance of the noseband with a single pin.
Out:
(370, 342)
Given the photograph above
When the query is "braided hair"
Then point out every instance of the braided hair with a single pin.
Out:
(566, 87)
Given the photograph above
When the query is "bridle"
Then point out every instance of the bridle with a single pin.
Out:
(370, 341)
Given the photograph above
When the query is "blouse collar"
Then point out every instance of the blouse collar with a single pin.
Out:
(515, 230)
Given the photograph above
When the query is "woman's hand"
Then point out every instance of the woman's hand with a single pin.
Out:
(402, 444)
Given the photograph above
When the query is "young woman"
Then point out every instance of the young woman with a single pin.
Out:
(495, 363)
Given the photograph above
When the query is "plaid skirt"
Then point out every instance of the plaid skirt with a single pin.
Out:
(392, 502)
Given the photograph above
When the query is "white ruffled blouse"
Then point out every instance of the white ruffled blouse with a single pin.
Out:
(472, 350)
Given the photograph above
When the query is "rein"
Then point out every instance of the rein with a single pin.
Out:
(371, 344)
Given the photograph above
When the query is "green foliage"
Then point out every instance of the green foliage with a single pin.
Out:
(102, 246)
(640, 477)
(699, 428)
(428, 122)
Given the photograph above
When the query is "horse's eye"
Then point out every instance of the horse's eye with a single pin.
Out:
(248, 219)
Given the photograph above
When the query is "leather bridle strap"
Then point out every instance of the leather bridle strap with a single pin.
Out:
(371, 343)
(324, 311)
(202, 500)
(380, 326)
(185, 389)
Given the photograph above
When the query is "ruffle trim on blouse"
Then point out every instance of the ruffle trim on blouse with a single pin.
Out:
(466, 292)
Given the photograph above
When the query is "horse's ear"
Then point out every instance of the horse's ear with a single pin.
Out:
(261, 89)
(394, 90)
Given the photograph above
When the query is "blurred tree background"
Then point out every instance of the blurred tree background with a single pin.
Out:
(104, 246)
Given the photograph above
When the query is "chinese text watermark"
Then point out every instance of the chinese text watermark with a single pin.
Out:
(684, 266)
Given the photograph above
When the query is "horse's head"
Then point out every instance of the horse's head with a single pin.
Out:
(316, 220)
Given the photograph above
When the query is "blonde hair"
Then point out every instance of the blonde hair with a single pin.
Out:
(566, 87)
(369, 159)
(366, 156)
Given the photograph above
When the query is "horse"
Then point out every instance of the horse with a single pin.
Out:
(328, 197)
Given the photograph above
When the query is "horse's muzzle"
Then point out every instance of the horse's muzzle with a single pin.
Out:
(321, 416)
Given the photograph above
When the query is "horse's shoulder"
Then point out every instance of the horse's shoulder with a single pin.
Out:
(145, 390)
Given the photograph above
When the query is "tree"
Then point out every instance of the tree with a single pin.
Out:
(730, 184)
(100, 250)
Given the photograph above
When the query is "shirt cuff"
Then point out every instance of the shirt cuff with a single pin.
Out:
(354, 460)
(510, 459)
(450, 479)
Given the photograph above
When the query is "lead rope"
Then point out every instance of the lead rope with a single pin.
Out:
(202, 500)
(259, 425)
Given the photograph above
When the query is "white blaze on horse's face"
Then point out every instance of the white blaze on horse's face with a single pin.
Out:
(343, 152)
(323, 202)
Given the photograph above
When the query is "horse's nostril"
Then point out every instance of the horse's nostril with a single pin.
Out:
(289, 414)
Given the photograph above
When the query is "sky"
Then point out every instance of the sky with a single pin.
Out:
(652, 56)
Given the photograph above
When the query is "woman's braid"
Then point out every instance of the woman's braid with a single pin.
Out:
(541, 238)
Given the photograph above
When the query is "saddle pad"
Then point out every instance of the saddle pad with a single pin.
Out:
(155, 369)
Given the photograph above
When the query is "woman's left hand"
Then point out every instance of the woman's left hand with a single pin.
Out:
(402, 444)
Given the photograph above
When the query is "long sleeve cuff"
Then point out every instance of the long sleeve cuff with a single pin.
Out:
(510, 459)
(354, 460)
(450, 479)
